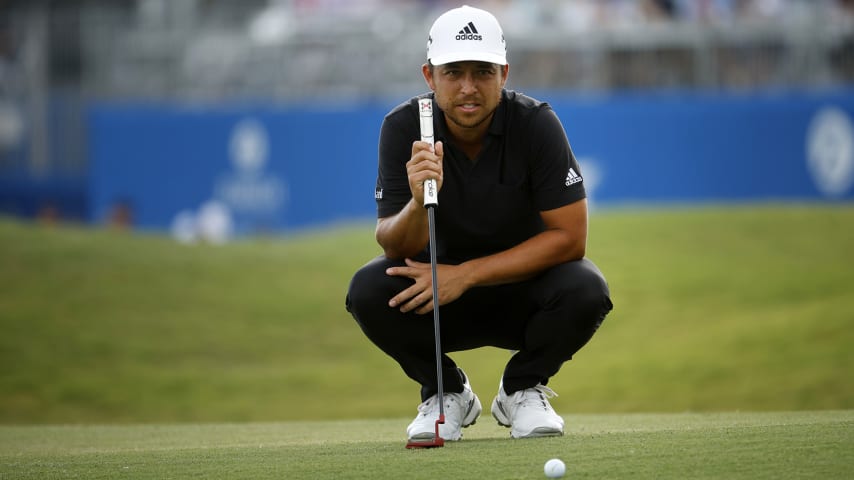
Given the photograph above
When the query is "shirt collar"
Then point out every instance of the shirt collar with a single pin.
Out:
(498, 119)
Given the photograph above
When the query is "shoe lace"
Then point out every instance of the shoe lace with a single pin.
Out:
(534, 397)
(431, 405)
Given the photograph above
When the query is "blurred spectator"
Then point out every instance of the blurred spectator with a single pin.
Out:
(121, 216)
(303, 49)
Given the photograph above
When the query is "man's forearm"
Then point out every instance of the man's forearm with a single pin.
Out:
(525, 260)
(404, 234)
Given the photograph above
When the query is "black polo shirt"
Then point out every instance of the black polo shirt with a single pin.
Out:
(493, 202)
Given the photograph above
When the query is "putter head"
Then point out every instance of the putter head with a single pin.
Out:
(436, 442)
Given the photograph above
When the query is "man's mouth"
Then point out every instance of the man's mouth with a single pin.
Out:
(468, 107)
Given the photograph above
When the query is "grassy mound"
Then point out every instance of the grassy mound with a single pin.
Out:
(716, 309)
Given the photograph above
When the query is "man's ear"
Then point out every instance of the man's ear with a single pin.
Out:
(428, 76)
(505, 70)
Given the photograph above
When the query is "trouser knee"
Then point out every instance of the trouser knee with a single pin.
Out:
(580, 290)
(406, 337)
(393, 331)
(371, 289)
(573, 300)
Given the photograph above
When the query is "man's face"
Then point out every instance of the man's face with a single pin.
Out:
(468, 92)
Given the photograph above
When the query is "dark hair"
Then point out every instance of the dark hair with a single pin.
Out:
(430, 65)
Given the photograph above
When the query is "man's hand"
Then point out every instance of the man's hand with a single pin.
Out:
(405, 233)
(425, 163)
(419, 296)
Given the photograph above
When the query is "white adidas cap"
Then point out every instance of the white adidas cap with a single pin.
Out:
(466, 33)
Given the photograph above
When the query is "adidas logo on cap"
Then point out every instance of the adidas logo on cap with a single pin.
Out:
(466, 34)
(469, 32)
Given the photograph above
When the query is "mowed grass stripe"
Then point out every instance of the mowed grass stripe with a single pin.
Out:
(722, 445)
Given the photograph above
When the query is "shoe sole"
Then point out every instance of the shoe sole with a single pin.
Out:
(498, 413)
(541, 432)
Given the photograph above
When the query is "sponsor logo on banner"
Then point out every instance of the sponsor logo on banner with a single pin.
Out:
(830, 151)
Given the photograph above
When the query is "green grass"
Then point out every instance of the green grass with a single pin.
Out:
(634, 446)
(716, 309)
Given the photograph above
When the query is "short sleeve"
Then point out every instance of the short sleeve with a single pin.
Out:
(398, 131)
(556, 178)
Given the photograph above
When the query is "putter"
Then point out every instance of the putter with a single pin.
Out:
(425, 106)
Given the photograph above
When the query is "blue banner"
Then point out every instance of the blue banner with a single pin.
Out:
(223, 171)
(254, 169)
(713, 148)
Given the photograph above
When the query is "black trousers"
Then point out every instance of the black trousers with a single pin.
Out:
(547, 319)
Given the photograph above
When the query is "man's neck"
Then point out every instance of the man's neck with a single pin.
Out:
(470, 140)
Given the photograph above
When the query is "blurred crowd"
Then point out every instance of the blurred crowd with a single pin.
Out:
(593, 14)
(289, 49)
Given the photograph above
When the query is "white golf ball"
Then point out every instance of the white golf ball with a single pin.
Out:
(554, 468)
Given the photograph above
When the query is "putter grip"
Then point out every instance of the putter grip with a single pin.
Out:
(431, 188)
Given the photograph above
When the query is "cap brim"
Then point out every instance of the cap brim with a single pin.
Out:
(468, 57)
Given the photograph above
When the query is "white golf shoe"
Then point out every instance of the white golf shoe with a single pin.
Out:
(527, 412)
(461, 410)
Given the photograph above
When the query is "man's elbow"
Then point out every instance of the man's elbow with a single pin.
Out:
(577, 252)
(394, 251)
(575, 249)
(394, 254)
(388, 250)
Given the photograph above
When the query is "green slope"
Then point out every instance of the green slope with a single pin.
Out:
(725, 308)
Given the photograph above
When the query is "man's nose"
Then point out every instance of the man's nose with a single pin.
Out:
(467, 84)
